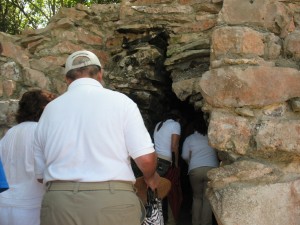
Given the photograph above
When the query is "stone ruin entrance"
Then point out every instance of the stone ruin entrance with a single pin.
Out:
(236, 61)
(140, 65)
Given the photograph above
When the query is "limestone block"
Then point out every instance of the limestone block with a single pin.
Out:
(278, 135)
(292, 45)
(64, 23)
(245, 111)
(198, 26)
(259, 204)
(47, 63)
(63, 47)
(108, 12)
(295, 104)
(270, 14)
(11, 113)
(114, 42)
(84, 36)
(146, 55)
(10, 71)
(184, 88)
(32, 46)
(251, 86)
(71, 13)
(64, 34)
(275, 110)
(201, 43)
(246, 171)
(237, 41)
(184, 39)
(30, 39)
(143, 98)
(273, 46)
(187, 55)
(207, 6)
(11, 50)
(4, 105)
(35, 78)
(189, 70)
(9, 86)
(166, 9)
(8, 110)
(257, 61)
(163, 12)
(1, 89)
(150, 2)
(295, 7)
(229, 132)
(59, 85)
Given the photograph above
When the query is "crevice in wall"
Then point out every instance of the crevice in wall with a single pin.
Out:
(137, 69)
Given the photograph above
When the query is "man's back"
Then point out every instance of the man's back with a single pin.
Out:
(91, 127)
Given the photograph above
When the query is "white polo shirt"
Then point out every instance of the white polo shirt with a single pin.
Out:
(201, 153)
(163, 137)
(88, 134)
(16, 153)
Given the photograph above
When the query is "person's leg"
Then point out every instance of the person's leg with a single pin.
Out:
(165, 209)
(19, 216)
(171, 219)
(23, 216)
(206, 216)
(195, 176)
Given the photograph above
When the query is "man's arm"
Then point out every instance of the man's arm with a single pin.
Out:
(147, 164)
(175, 147)
(39, 163)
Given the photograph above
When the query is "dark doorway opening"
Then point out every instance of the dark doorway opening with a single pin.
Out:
(189, 115)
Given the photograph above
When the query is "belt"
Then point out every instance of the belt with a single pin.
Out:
(164, 161)
(89, 186)
(164, 157)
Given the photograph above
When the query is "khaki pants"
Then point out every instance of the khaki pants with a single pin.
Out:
(201, 209)
(103, 203)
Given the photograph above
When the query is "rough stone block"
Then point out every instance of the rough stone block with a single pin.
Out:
(237, 41)
(236, 86)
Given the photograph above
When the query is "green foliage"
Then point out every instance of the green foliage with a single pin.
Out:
(17, 15)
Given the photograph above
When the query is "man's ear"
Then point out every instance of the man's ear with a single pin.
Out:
(100, 75)
(68, 81)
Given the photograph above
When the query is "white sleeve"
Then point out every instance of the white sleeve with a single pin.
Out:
(137, 137)
(176, 128)
(39, 159)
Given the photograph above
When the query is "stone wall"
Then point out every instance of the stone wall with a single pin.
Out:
(252, 93)
(237, 61)
(143, 45)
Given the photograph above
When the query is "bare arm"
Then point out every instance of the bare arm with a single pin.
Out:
(147, 164)
(175, 147)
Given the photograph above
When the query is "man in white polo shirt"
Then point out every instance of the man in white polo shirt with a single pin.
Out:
(83, 144)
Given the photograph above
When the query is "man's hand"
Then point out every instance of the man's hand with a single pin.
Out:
(152, 181)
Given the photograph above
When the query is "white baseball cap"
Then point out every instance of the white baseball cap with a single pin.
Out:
(80, 59)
